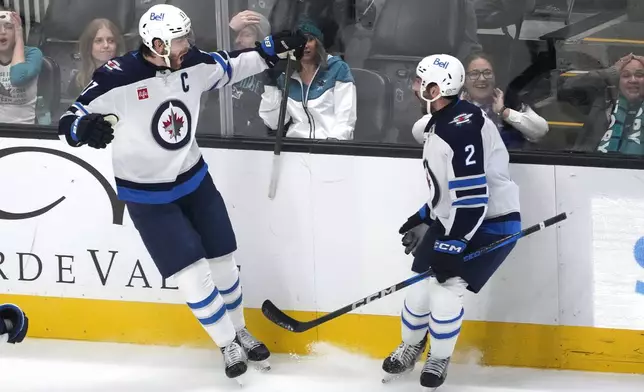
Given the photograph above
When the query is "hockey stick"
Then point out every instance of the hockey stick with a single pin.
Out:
(272, 188)
(283, 320)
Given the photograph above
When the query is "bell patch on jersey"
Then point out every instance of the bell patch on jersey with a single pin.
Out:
(463, 118)
(172, 125)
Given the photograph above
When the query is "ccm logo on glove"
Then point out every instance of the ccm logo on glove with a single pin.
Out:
(453, 247)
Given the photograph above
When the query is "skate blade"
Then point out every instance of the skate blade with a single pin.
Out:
(240, 380)
(389, 377)
(429, 389)
(262, 366)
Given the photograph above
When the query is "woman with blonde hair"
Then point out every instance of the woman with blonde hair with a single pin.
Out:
(101, 41)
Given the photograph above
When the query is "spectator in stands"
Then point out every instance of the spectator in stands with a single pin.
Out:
(516, 121)
(322, 96)
(613, 97)
(20, 66)
(101, 41)
(249, 27)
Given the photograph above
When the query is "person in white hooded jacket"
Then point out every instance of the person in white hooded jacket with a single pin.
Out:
(322, 95)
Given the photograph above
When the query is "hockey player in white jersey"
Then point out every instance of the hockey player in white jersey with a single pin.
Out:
(147, 102)
(14, 324)
(472, 203)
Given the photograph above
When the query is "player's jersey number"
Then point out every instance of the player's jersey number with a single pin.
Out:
(91, 85)
(469, 149)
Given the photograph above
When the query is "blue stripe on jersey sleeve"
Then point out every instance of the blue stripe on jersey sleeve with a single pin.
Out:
(224, 64)
(424, 211)
(74, 128)
(80, 107)
(470, 202)
(468, 182)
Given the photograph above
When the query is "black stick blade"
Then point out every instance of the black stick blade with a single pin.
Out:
(280, 318)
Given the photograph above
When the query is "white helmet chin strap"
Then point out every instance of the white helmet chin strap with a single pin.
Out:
(429, 101)
(166, 59)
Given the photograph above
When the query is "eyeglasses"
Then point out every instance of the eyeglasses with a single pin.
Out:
(475, 74)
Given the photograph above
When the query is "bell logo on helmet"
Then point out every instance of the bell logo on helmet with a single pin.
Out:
(157, 17)
(442, 64)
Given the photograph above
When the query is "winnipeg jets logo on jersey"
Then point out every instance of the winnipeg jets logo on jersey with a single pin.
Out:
(463, 118)
(172, 125)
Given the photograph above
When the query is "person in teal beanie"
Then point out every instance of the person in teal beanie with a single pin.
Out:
(322, 95)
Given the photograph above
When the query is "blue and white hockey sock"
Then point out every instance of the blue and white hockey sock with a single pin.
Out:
(205, 301)
(446, 304)
(415, 313)
(225, 274)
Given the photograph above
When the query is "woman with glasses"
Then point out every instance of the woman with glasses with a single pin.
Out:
(516, 121)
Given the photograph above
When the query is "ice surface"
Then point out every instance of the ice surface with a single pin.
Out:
(57, 366)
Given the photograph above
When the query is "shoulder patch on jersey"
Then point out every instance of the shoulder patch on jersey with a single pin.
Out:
(113, 65)
(122, 71)
(463, 118)
(464, 122)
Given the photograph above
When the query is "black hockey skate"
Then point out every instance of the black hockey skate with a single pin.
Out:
(235, 361)
(256, 351)
(434, 373)
(402, 360)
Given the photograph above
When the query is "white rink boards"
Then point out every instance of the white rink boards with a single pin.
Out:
(568, 297)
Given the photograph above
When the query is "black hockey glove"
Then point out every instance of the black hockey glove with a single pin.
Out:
(275, 46)
(93, 130)
(13, 321)
(414, 229)
(447, 259)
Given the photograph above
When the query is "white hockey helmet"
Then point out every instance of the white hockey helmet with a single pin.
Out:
(165, 22)
(446, 71)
